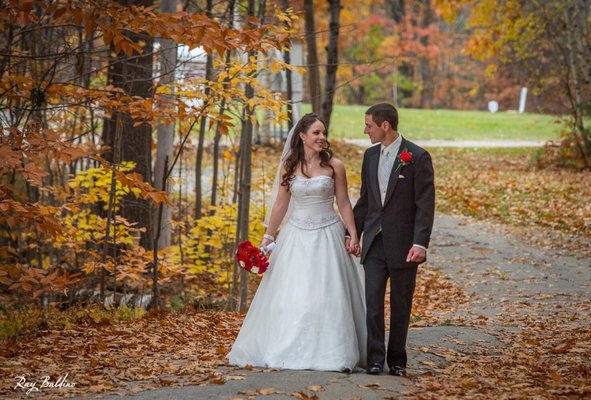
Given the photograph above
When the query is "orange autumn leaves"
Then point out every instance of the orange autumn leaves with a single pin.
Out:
(506, 186)
(174, 349)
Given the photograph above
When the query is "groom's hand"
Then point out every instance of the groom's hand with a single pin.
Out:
(352, 246)
(416, 255)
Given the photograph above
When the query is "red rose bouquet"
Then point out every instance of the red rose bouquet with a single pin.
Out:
(251, 258)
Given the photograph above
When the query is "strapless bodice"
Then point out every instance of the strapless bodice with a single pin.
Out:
(312, 202)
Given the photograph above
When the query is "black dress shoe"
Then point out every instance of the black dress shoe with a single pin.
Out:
(397, 371)
(374, 369)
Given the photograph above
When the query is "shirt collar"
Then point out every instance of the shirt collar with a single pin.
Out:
(393, 147)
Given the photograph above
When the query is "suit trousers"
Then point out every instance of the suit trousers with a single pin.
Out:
(402, 287)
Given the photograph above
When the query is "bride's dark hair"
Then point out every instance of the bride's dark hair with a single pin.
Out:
(296, 155)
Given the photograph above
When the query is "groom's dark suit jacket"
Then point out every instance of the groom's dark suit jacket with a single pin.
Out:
(406, 218)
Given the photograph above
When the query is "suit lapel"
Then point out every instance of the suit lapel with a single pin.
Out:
(394, 174)
(373, 174)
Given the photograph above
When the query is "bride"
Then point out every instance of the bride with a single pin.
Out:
(308, 311)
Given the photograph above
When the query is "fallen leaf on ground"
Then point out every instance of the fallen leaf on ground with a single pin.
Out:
(303, 396)
(370, 385)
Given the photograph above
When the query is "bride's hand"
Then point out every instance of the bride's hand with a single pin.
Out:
(264, 243)
(353, 247)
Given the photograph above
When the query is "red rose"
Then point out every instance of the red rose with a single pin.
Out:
(406, 157)
(250, 258)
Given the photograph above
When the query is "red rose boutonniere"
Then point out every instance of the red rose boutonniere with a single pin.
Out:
(405, 158)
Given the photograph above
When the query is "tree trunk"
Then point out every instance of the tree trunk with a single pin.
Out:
(288, 78)
(581, 25)
(263, 131)
(313, 68)
(218, 133)
(288, 75)
(289, 88)
(575, 94)
(426, 100)
(332, 57)
(202, 129)
(155, 303)
(116, 155)
(395, 9)
(216, 143)
(395, 87)
(165, 138)
(134, 75)
(237, 198)
(246, 175)
(244, 193)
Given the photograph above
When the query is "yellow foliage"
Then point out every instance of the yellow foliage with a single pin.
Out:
(211, 243)
(94, 185)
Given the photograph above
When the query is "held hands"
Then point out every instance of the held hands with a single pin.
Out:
(352, 245)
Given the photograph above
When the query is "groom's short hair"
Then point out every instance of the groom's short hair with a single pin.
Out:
(384, 112)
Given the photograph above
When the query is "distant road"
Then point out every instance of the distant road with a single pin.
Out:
(461, 143)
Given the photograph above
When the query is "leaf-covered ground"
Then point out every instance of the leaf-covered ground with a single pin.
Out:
(546, 357)
(545, 339)
(168, 349)
(157, 350)
(533, 301)
(552, 207)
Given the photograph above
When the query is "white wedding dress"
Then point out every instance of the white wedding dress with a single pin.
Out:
(309, 309)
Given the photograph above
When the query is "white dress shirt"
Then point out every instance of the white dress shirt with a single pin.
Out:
(386, 163)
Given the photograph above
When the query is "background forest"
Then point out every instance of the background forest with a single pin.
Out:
(138, 138)
(124, 165)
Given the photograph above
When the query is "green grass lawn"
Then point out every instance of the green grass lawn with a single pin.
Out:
(348, 122)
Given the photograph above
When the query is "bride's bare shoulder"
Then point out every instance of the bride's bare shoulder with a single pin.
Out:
(336, 163)
(338, 166)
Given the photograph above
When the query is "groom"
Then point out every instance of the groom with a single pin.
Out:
(395, 214)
